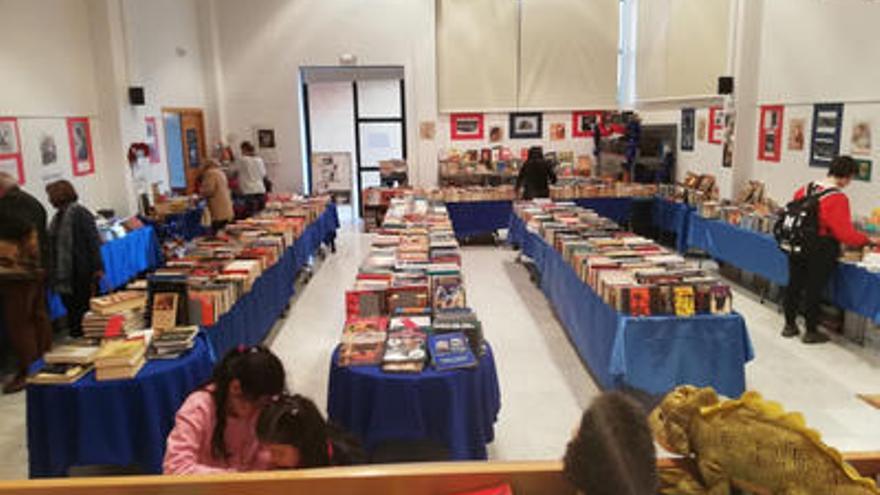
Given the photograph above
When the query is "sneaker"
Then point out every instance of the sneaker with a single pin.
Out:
(15, 385)
(815, 337)
(790, 330)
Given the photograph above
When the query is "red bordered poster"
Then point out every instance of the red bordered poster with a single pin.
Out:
(716, 125)
(81, 153)
(153, 139)
(10, 149)
(465, 126)
(582, 122)
(770, 133)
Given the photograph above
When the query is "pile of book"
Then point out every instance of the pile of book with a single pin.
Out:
(408, 289)
(584, 187)
(172, 343)
(65, 364)
(630, 273)
(115, 315)
(120, 359)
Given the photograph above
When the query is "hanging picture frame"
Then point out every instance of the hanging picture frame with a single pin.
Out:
(526, 125)
(10, 149)
(466, 126)
(716, 125)
(796, 137)
(557, 131)
(770, 133)
(688, 116)
(153, 139)
(266, 139)
(81, 154)
(496, 134)
(583, 122)
(825, 139)
(863, 170)
(860, 141)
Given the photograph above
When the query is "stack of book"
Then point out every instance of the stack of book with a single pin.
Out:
(172, 343)
(112, 325)
(120, 359)
(363, 342)
(65, 364)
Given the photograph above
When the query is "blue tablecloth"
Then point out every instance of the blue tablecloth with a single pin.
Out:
(253, 316)
(855, 289)
(472, 218)
(653, 354)
(186, 225)
(674, 217)
(617, 209)
(454, 408)
(129, 256)
(122, 422)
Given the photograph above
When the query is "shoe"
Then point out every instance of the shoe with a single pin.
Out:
(790, 330)
(15, 385)
(815, 337)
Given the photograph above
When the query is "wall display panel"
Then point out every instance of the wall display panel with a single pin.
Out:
(10, 149)
(569, 54)
(770, 133)
(81, 153)
(825, 141)
(476, 54)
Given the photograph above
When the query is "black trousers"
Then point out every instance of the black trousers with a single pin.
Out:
(77, 305)
(808, 275)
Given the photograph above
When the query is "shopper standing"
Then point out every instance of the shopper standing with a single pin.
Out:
(214, 187)
(810, 269)
(535, 176)
(19, 203)
(252, 178)
(76, 267)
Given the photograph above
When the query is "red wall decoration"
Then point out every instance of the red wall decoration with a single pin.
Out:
(10, 149)
(716, 125)
(582, 122)
(770, 133)
(465, 126)
(81, 153)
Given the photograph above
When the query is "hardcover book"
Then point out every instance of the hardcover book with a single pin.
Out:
(684, 300)
(451, 351)
(362, 348)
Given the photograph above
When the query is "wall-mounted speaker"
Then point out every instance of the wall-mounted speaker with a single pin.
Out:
(725, 85)
(136, 95)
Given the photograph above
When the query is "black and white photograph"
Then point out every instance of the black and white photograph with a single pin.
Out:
(526, 125)
(266, 138)
(48, 150)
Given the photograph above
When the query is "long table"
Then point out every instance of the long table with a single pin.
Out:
(851, 287)
(672, 217)
(127, 257)
(652, 354)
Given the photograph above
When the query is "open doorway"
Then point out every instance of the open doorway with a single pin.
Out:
(353, 117)
(185, 146)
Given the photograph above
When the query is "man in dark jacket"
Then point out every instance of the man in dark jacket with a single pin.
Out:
(535, 176)
(22, 205)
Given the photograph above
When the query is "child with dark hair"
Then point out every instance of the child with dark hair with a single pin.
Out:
(297, 436)
(215, 429)
(612, 453)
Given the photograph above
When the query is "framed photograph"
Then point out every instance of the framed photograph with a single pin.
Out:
(770, 133)
(863, 171)
(81, 154)
(557, 131)
(716, 125)
(10, 149)
(583, 123)
(496, 134)
(796, 134)
(153, 139)
(266, 139)
(825, 139)
(466, 126)
(526, 125)
(13, 165)
(861, 139)
(687, 129)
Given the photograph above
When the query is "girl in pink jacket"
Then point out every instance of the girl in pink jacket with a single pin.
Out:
(215, 429)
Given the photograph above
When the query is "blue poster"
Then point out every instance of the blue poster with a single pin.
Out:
(825, 142)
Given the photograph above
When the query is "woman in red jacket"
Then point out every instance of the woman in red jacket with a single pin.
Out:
(809, 271)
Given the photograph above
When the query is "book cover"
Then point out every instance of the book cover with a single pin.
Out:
(703, 298)
(164, 311)
(405, 346)
(362, 348)
(684, 300)
(364, 303)
(120, 372)
(71, 354)
(721, 300)
(59, 373)
(640, 301)
(451, 351)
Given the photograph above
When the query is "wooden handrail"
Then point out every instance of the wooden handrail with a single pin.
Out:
(527, 478)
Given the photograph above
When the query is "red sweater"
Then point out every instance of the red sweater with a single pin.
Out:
(835, 219)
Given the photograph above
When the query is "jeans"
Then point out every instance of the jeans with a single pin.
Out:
(808, 275)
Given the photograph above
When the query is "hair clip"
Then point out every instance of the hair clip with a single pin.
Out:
(241, 349)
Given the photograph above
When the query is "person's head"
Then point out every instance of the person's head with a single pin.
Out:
(295, 433)
(209, 163)
(842, 170)
(247, 148)
(613, 451)
(536, 153)
(244, 382)
(7, 183)
(61, 193)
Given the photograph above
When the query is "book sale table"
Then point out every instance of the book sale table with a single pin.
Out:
(672, 217)
(127, 257)
(126, 422)
(851, 288)
(456, 408)
(652, 354)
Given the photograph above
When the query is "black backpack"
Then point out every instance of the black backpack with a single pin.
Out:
(798, 225)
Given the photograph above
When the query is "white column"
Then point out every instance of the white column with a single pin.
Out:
(746, 77)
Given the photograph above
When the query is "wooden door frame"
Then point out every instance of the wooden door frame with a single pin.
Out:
(203, 145)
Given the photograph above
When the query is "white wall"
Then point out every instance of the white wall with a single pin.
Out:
(263, 43)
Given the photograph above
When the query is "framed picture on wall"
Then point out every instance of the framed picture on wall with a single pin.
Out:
(526, 125)
(466, 126)
(266, 139)
(496, 134)
(770, 133)
(153, 139)
(557, 131)
(796, 134)
(860, 142)
(863, 170)
(10, 149)
(687, 129)
(583, 123)
(825, 140)
(716, 125)
(81, 154)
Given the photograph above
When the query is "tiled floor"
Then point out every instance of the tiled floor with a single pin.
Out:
(544, 386)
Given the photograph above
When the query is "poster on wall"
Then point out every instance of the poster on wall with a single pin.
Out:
(860, 142)
(81, 154)
(583, 123)
(10, 149)
(716, 125)
(863, 170)
(770, 133)
(825, 141)
(153, 139)
(687, 129)
(331, 174)
(526, 125)
(466, 126)
(43, 148)
(796, 134)
(557, 131)
(496, 134)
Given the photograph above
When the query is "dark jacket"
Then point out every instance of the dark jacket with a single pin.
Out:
(86, 246)
(22, 205)
(535, 178)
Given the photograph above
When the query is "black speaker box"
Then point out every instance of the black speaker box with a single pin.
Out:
(725, 85)
(136, 95)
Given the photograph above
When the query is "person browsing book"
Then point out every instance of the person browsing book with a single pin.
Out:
(252, 178)
(215, 428)
(810, 269)
(214, 187)
(535, 176)
(297, 436)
